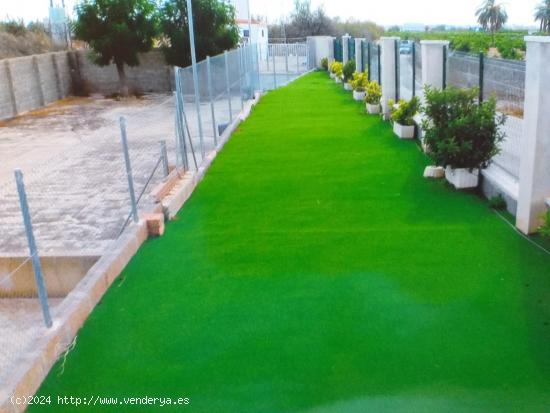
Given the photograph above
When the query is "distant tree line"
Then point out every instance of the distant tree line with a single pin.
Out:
(306, 21)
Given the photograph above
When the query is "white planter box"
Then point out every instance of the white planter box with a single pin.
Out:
(462, 178)
(358, 95)
(347, 86)
(337, 80)
(332, 75)
(404, 132)
(373, 109)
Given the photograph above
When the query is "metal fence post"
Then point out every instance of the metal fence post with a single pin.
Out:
(274, 70)
(379, 65)
(481, 73)
(368, 61)
(129, 175)
(297, 59)
(397, 82)
(286, 59)
(164, 157)
(228, 85)
(241, 75)
(258, 58)
(444, 85)
(33, 250)
(209, 80)
(414, 69)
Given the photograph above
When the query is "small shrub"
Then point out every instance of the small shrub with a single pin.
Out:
(348, 70)
(406, 111)
(544, 229)
(497, 202)
(15, 27)
(359, 81)
(336, 68)
(460, 132)
(324, 63)
(374, 93)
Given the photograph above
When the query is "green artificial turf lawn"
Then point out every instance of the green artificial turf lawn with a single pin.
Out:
(315, 270)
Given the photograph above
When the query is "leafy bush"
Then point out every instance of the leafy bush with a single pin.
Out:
(544, 229)
(324, 63)
(460, 132)
(348, 70)
(359, 81)
(335, 67)
(15, 27)
(406, 111)
(374, 93)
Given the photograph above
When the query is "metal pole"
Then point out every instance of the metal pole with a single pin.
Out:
(274, 70)
(481, 73)
(396, 57)
(258, 57)
(297, 59)
(414, 69)
(228, 85)
(379, 66)
(164, 156)
(33, 250)
(129, 174)
(444, 79)
(368, 61)
(241, 75)
(249, 22)
(195, 74)
(286, 60)
(209, 79)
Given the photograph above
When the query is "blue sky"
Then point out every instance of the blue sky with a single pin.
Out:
(384, 12)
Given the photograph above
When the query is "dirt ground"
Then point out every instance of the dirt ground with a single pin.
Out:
(33, 138)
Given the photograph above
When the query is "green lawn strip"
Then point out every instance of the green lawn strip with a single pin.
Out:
(315, 270)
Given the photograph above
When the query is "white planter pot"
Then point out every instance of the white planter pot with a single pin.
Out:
(373, 109)
(332, 75)
(347, 86)
(403, 131)
(337, 80)
(358, 95)
(462, 178)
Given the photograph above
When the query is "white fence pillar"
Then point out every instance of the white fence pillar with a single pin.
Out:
(387, 69)
(534, 174)
(432, 62)
(345, 48)
(358, 55)
(320, 47)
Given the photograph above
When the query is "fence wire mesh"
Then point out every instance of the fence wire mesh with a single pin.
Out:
(503, 80)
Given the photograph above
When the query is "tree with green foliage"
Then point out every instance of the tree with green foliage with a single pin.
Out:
(542, 14)
(215, 29)
(492, 16)
(117, 30)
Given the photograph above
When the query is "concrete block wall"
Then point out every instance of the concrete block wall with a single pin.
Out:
(152, 75)
(31, 82)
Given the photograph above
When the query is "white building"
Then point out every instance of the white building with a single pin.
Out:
(258, 28)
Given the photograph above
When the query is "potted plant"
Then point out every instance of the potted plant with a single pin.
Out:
(461, 134)
(403, 117)
(336, 71)
(324, 63)
(359, 84)
(373, 94)
(347, 73)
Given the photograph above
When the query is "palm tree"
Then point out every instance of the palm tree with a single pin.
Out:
(542, 13)
(492, 16)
